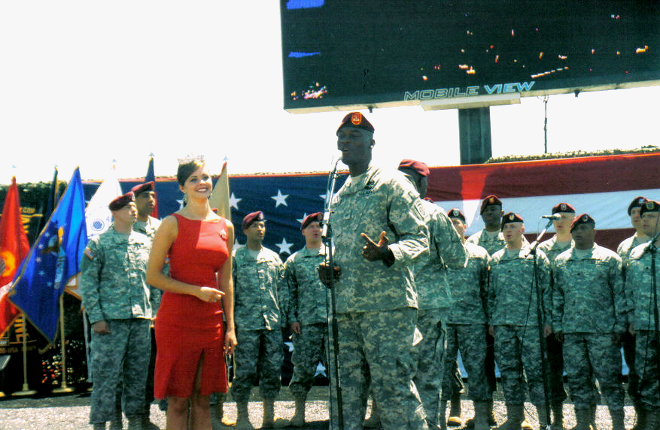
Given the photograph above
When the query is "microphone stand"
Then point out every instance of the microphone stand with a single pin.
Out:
(539, 318)
(327, 240)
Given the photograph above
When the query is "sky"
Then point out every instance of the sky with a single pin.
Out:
(97, 84)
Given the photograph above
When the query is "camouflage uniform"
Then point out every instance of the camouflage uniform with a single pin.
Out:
(114, 289)
(434, 295)
(512, 309)
(149, 228)
(259, 293)
(376, 303)
(308, 305)
(467, 324)
(492, 244)
(589, 305)
(552, 249)
(624, 250)
(640, 299)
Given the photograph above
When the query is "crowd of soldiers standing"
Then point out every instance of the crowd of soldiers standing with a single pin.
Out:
(411, 292)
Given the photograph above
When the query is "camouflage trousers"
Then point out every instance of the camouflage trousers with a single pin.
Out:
(471, 340)
(376, 349)
(430, 359)
(120, 358)
(308, 350)
(258, 357)
(646, 360)
(587, 354)
(556, 368)
(518, 349)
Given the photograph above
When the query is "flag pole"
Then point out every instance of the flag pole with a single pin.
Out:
(26, 389)
(63, 387)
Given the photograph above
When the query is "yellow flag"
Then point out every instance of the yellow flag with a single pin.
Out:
(220, 197)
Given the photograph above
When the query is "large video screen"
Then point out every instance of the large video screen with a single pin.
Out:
(343, 54)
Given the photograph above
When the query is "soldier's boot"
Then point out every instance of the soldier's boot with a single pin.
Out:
(272, 421)
(455, 419)
(116, 423)
(514, 418)
(558, 415)
(373, 422)
(653, 420)
(617, 419)
(98, 426)
(442, 415)
(481, 416)
(583, 419)
(147, 424)
(243, 418)
(298, 419)
(641, 418)
(136, 423)
(220, 417)
(491, 414)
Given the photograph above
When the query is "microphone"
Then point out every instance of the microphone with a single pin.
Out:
(554, 217)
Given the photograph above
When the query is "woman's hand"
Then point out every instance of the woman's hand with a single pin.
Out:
(209, 295)
(230, 341)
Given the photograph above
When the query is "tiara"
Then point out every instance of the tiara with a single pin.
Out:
(190, 157)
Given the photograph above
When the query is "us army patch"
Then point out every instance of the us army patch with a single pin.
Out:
(88, 252)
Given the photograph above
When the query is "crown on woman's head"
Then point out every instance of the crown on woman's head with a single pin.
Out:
(190, 157)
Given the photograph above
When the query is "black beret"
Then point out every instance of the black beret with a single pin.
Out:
(416, 166)
(563, 207)
(456, 213)
(509, 218)
(582, 219)
(251, 218)
(318, 216)
(121, 201)
(357, 120)
(490, 201)
(636, 203)
(147, 186)
(649, 206)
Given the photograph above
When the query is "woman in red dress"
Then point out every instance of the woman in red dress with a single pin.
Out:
(190, 336)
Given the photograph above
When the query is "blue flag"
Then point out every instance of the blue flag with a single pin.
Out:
(53, 260)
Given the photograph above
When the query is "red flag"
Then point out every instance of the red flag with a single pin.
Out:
(14, 246)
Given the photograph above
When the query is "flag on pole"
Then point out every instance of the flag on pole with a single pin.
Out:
(220, 196)
(53, 260)
(53, 196)
(152, 177)
(14, 246)
(97, 214)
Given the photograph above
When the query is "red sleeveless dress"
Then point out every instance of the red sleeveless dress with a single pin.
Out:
(186, 327)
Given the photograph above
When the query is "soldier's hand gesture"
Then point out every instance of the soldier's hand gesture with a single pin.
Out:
(324, 274)
(373, 251)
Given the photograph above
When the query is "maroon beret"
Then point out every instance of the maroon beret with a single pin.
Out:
(357, 120)
(582, 219)
(252, 217)
(649, 206)
(490, 201)
(121, 201)
(147, 186)
(416, 166)
(318, 216)
(509, 218)
(563, 207)
(636, 203)
(456, 213)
